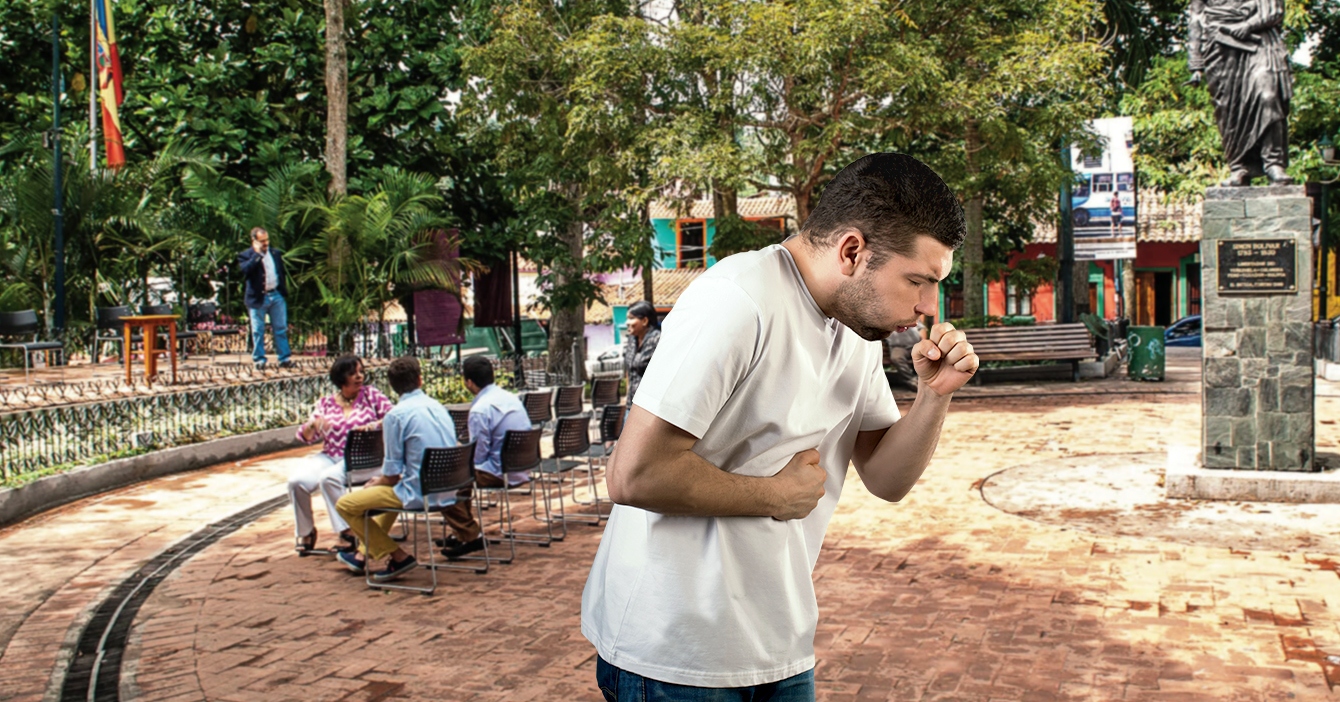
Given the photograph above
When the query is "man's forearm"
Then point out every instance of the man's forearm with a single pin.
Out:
(901, 456)
(687, 485)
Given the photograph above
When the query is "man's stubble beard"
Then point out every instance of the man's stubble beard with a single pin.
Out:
(852, 306)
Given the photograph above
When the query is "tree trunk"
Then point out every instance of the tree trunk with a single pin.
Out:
(337, 97)
(802, 208)
(973, 302)
(648, 279)
(568, 324)
(1080, 288)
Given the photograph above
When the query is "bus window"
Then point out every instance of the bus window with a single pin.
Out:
(1081, 191)
(1102, 183)
(1125, 182)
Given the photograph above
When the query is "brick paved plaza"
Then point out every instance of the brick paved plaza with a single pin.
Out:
(942, 597)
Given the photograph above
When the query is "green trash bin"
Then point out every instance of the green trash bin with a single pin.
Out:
(1147, 353)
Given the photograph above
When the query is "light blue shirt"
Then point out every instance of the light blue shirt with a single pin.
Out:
(416, 423)
(271, 278)
(493, 413)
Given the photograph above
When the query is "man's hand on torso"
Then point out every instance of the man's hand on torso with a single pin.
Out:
(799, 485)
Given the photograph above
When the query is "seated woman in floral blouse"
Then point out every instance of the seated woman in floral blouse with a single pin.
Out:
(352, 406)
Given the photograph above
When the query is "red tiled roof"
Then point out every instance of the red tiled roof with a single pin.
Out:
(1158, 222)
(779, 206)
(667, 284)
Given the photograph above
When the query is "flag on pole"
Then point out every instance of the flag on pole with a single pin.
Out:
(109, 82)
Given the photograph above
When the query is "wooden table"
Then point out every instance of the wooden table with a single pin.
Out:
(148, 325)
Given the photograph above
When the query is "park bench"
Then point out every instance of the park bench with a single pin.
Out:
(1061, 343)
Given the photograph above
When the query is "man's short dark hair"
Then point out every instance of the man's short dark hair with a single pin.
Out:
(891, 199)
(477, 370)
(342, 368)
(403, 375)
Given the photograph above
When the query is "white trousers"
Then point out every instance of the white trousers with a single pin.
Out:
(317, 472)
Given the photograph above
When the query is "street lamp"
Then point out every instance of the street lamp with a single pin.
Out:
(1328, 158)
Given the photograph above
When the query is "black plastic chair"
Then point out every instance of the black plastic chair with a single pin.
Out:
(538, 407)
(611, 426)
(604, 392)
(364, 452)
(110, 328)
(461, 418)
(568, 403)
(444, 471)
(572, 450)
(24, 323)
(201, 318)
(520, 454)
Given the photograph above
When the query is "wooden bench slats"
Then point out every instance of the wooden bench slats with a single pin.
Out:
(1052, 342)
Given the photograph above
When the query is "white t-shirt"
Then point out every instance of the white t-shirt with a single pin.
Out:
(749, 364)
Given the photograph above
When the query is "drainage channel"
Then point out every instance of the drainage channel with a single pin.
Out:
(95, 672)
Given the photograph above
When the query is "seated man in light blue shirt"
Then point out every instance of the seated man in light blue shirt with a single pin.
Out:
(492, 414)
(417, 423)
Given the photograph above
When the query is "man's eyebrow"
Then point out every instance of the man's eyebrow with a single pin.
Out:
(925, 277)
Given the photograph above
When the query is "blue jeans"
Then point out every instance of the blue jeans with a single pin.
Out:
(618, 685)
(277, 310)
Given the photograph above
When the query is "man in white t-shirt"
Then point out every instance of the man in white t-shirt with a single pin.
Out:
(765, 385)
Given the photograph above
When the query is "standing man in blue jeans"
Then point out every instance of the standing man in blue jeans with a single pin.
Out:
(266, 290)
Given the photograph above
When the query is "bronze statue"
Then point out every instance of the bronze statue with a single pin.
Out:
(1238, 47)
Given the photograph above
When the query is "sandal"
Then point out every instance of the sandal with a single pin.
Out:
(306, 544)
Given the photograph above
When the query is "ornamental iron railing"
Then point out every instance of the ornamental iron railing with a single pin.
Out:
(51, 439)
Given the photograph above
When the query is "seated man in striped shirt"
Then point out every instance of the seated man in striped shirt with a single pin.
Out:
(492, 414)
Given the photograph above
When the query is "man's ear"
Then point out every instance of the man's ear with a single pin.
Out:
(851, 248)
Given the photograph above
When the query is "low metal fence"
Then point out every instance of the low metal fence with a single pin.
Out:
(50, 439)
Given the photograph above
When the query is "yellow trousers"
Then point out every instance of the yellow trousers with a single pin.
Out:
(376, 542)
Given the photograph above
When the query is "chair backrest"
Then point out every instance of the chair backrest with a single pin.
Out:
(572, 436)
(537, 405)
(110, 317)
(201, 312)
(611, 423)
(363, 450)
(604, 392)
(155, 309)
(447, 469)
(521, 450)
(15, 323)
(569, 400)
(461, 418)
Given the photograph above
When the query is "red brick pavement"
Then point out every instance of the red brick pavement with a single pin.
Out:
(939, 598)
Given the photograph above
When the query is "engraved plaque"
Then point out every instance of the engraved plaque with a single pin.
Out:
(1258, 266)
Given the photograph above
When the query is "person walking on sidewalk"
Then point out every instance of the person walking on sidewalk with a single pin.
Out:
(418, 422)
(266, 292)
(766, 384)
(493, 413)
(351, 407)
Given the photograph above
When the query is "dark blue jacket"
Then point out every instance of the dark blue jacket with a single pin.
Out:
(253, 271)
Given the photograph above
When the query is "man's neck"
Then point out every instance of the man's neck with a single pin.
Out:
(821, 288)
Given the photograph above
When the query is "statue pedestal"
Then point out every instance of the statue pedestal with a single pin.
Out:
(1256, 283)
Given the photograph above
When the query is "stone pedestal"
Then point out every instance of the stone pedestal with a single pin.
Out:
(1257, 340)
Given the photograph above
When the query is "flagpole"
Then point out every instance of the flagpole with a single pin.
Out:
(92, 87)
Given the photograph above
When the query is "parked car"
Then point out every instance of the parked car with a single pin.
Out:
(1183, 332)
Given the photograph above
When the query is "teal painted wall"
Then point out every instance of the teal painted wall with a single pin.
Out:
(665, 241)
(620, 319)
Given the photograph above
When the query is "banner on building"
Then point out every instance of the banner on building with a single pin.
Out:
(1103, 199)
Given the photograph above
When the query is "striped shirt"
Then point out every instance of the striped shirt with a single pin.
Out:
(370, 405)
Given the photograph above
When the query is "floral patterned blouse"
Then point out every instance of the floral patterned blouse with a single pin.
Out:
(637, 356)
(370, 405)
